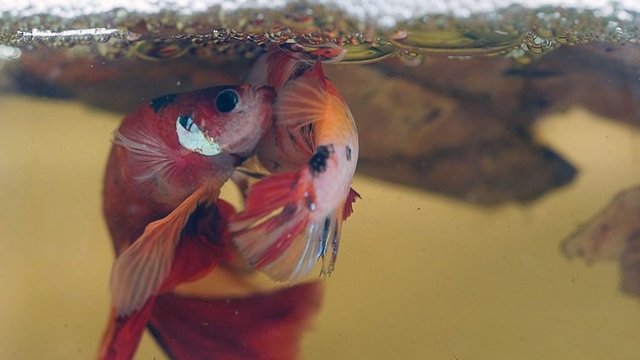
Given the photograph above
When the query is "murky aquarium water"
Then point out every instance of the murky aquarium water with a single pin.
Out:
(498, 172)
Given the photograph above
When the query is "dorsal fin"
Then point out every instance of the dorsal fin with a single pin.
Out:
(302, 101)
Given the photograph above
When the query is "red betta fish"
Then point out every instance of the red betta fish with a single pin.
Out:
(169, 160)
(293, 217)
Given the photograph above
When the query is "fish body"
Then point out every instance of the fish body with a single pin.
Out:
(293, 217)
(169, 160)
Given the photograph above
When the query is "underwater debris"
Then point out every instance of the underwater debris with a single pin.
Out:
(612, 235)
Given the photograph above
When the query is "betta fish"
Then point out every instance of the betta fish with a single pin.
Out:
(169, 159)
(293, 217)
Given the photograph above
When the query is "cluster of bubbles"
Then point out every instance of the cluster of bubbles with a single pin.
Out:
(516, 32)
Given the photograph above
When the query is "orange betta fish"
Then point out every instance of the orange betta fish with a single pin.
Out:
(293, 217)
(169, 160)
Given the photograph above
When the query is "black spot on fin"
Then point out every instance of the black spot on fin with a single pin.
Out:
(158, 103)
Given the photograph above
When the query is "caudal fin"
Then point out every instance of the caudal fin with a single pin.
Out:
(122, 336)
(236, 328)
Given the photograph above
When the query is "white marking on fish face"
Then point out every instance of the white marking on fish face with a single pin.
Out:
(193, 139)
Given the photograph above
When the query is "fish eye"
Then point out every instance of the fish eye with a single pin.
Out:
(227, 100)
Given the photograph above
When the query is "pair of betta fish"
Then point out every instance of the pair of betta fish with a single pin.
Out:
(169, 160)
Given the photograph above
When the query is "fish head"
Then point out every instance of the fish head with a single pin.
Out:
(219, 120)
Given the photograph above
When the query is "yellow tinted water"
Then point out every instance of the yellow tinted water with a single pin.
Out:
(420, 276)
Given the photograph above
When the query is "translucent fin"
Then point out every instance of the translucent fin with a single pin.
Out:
(257, 326)
(275, 232)
(140, 270)
(123, 334)
(302, 101)
(150, 157)
(333, 242)
(298, 261)
(320, 240)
